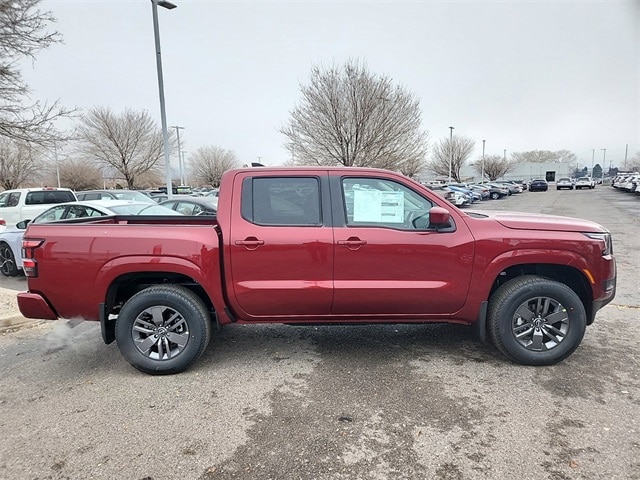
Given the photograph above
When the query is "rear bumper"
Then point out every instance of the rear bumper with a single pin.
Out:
(33, 305)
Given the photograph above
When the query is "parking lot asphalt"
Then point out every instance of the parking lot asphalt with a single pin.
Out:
(366, 402)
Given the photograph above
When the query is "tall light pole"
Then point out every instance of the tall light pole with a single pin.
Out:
(185, 180)
(178, 128)
(604, 154)
(626, 151)
(55, 155)
(482, 177)
(450, 150)
(163, 115)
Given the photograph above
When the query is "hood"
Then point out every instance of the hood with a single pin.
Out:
(539, 221)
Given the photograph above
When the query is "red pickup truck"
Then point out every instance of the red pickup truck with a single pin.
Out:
(321, 246)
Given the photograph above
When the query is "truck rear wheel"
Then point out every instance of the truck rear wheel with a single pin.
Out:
(163, 329)
(536, 321)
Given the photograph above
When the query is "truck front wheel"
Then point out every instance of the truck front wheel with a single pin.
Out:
(163, 329)
(536, 321)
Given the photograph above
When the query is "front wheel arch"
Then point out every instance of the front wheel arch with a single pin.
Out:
(536, 321)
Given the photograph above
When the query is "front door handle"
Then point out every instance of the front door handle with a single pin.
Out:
(352, 243)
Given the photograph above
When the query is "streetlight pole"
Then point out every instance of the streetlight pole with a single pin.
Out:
(163, 115)
(450, 150)
(482, 176)
(604, 154)
(55, 155)
(185, 180)
(178, 128)
(626, 151)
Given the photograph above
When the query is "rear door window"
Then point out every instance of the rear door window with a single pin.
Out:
(282, 201)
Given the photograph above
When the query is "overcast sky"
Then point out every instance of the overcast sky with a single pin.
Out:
(523, 75)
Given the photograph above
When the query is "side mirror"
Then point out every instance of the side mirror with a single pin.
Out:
(23, 224)
(439, 216)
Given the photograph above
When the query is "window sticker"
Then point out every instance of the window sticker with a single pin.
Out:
(379, 207)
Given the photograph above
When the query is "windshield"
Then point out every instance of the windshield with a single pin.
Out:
(142, 209)
(132, 195)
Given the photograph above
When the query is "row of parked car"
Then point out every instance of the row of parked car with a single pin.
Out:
(20, 207)
(629, 182)
(464, 194)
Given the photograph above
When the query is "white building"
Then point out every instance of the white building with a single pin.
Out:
(550, 171)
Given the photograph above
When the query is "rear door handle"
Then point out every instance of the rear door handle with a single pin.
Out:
(251, 243)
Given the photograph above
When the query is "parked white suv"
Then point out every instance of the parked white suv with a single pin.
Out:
(585, 182)
(27, 203)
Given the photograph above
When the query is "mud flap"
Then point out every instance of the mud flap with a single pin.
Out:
(480, 326)
(107, 326)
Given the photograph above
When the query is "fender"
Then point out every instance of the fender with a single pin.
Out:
(485, 274)
(206, 275)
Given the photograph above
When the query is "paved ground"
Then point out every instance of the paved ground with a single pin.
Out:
(382, 402)
(10, 318)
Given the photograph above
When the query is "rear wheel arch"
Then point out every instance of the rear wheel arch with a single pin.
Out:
(163, 329)
(126, 286)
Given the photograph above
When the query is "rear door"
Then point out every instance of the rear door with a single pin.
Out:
(280, 247)
(388, 260)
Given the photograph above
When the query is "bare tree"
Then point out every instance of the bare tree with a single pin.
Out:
(495, 167)
(348, 116)
(453, 151)
(20, 163)
(23, 33)
(130, 143)
(412, 167)
(79, 174)
(209, 163)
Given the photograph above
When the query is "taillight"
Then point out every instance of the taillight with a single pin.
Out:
(29, 263)
(3, 222)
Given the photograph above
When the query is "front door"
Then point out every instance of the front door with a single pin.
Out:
(389, 261)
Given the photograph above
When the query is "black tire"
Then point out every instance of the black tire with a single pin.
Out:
(495, 195)
(7, 261)
(173, 340)
(554, 329)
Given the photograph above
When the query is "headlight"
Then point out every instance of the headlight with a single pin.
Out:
(605, 238)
